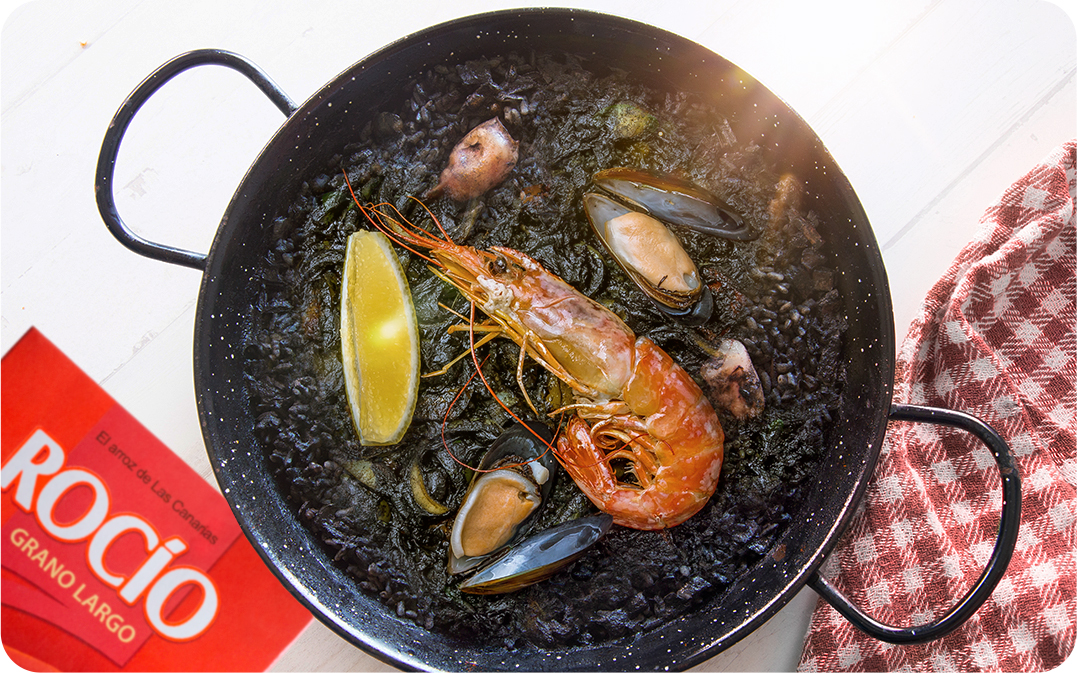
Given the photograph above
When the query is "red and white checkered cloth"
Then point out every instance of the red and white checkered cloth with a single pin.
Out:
(995, 338)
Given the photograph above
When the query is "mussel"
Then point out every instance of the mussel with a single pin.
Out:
(539, 556)
(651, 256)
(673, 201)
(428, 480)
(629, 214)
(501, 504)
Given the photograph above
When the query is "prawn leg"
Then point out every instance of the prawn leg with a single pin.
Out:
(485, 339)
(520, 374)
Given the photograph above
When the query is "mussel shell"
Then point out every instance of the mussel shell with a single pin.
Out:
(539, 556)
(516, 445)
(520, 440)
(674, 201)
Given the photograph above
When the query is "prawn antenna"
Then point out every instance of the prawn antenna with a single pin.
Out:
(445, 420)
(437, 222)
(374, 217)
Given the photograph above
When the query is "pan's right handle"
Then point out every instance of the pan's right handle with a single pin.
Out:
(106, 161)
(1009, 521)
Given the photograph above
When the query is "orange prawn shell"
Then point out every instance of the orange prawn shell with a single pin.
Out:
(560, 323)
(675, 408)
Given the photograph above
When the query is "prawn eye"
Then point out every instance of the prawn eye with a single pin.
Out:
(498, 265)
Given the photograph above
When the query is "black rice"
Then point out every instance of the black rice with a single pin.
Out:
(774, 293)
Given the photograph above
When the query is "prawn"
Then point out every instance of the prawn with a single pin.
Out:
(643, 442)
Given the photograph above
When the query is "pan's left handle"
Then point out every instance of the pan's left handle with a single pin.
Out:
(106, 161)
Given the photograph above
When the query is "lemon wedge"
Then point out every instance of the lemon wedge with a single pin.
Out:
(379, 340)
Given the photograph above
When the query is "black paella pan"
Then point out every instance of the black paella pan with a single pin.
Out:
(321, 127)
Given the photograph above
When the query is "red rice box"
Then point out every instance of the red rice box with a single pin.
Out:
(115, 554)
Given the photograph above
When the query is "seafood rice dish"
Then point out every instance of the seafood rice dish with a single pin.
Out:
(629, 336)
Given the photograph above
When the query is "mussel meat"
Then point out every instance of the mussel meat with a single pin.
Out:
(501, 503)
(647, 249)
(733, 382)
(485, 157)
(673, 201)
(539, 556)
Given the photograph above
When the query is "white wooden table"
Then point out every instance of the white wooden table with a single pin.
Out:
(932, 108)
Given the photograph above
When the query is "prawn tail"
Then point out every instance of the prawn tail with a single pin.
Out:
(585, 462)
(588, 463)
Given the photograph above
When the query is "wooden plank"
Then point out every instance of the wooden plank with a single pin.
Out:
(45, 38)
(807, 52)
(935, 102)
